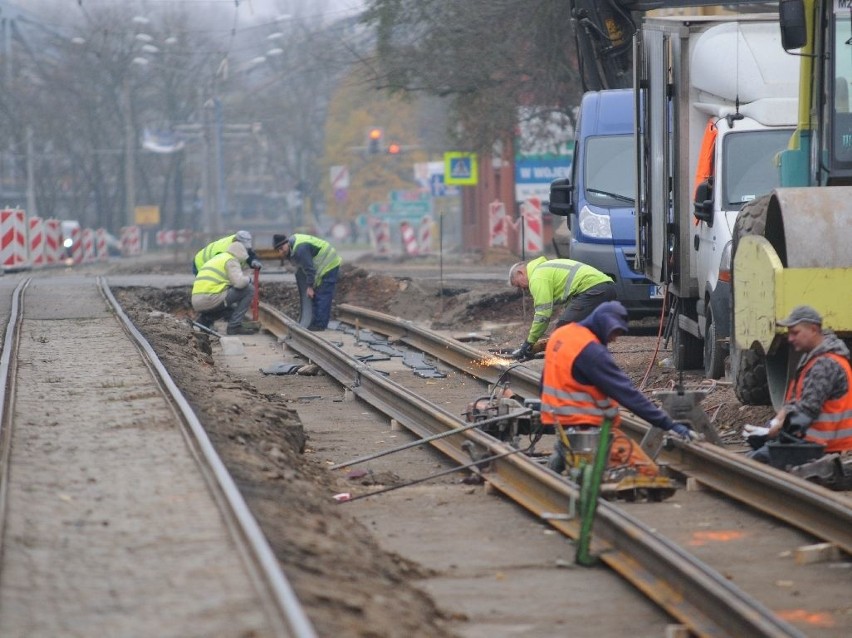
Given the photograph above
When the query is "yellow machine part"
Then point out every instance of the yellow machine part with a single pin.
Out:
(812, 228)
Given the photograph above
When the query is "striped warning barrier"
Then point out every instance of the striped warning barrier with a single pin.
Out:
(409, 238)
(53, 247)
(88, 245)
(497, 225)
(533, 235)
(76, 245)
(424, 235)
(35, 240)
(13, 239)
(101, 250)
(379, 236)
(131, 241)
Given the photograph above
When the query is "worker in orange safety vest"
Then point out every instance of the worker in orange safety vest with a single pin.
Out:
(818, 403)
(582, 384)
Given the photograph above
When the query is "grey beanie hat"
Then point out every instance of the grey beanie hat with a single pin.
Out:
(244, 237)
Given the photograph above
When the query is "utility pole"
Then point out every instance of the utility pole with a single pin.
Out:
(31, 201)
(129, 156)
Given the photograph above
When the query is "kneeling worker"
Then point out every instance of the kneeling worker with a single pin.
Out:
(221, 245)
(818, 403)
(582, 384)
(222, 290)
(554, 282)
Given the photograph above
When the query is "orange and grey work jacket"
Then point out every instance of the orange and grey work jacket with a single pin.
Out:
(565, 400)
(833, 426)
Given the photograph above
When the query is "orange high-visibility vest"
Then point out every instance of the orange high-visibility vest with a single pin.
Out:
(564, 399)
(833, 426)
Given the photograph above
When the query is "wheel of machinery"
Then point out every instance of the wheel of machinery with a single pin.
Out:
(748, 367)
(687, 349)
(714, 350)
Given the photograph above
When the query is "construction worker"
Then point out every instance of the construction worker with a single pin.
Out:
(582, 384)
(556, 282)
(317, 267)
(222, 290)
(818, 403)
(220, 245)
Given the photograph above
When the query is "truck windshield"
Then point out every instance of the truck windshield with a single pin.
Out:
(749, 160)
(610, 170)
(842, 73)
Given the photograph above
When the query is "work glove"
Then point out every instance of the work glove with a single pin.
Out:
(255, 263)
(685, 432)
(524, 352)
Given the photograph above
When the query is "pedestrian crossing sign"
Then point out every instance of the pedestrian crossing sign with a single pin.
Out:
(460, 169)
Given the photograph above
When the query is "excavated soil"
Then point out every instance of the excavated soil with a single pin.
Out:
(349, 586)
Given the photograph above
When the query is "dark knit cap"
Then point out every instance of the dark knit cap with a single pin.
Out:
(279, 240)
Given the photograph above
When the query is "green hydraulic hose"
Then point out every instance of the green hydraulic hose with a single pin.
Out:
(589, 491)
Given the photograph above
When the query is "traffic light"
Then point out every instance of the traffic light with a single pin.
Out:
(374, 138)
(394, 149)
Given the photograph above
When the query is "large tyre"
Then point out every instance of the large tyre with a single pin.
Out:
(687, 349)
(714, 350)
(748, 367)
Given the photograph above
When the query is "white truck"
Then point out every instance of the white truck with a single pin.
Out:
(717, 103)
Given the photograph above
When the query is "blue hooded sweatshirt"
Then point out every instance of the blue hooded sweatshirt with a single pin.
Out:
(596, 366)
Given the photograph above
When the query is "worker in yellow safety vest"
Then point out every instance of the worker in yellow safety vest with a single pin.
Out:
(223, 290)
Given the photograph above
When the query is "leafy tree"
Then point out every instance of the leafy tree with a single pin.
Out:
(489, 57)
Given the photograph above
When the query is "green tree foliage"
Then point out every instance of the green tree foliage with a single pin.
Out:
(489, 57)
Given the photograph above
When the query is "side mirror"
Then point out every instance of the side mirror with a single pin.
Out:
(704, 202)
(561, 197)
(794, 31)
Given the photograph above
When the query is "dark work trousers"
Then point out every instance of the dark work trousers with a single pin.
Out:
(322, 300)
(581, 306)
(237, 302)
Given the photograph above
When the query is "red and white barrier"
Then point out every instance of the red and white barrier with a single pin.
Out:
(424, 235)
(76, 246)
(53, 247)
(35, 240)
(88, 245)
(13, 239)
(183, 236)
(497, 225)
(409, 239)
(101, 250)
(131, 241)
(166, 238)
(379, 236)
(533, 235)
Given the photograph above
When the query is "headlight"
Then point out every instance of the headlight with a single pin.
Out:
(594, 225)
(68, 243)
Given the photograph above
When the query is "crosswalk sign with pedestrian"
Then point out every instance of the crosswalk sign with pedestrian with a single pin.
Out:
(460, 169)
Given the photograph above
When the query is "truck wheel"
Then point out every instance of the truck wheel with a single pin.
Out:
(687, 349)
(748, 367)
(714, 350)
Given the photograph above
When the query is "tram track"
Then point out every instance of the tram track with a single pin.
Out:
(146, 507)
(686, 588)
(798, 503)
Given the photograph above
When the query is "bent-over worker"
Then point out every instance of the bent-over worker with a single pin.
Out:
(818, 402)
(221, 245)
(223, 291)
(317, 268)
(582, 383)
(551, 282)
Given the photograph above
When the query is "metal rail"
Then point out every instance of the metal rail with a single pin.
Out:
(798, 503)
(685, 587)
(283, 604)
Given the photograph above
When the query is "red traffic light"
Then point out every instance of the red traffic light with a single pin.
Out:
(394, 148)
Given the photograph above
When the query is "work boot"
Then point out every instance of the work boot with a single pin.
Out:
(241, 330)
(206, 320)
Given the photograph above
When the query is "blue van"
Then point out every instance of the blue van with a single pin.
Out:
(598, 200)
